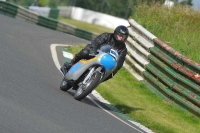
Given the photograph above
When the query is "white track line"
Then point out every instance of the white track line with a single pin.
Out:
(95, 93)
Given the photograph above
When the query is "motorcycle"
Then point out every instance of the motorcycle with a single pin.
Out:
(87, 74)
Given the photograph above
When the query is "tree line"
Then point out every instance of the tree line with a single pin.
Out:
(118, 8)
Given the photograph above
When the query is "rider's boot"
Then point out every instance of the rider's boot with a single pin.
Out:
(66, 66)
(82, 54)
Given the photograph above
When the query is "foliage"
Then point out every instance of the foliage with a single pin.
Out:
(184, 2)
(53, 3)
(42, 2)
(177, 26)
(118, 8)
(22, 2)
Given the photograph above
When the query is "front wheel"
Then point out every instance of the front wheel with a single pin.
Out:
(84, 89)
(64, 85)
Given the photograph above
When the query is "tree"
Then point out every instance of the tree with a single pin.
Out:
(119, 8)
(186, 2)
(183, 2)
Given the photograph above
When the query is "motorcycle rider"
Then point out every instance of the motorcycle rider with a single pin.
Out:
(117, 42)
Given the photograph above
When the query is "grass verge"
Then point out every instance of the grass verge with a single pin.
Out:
(134, 99)
(179, 28)
(83, 25)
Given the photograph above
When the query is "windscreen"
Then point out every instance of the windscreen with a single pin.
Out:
(105, 48)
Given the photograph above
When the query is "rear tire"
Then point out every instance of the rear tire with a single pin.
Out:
(64, 85)
(83, 91)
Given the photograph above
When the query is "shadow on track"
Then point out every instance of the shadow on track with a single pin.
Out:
(119, 108)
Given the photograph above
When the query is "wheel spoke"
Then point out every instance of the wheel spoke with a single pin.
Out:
(87, 86)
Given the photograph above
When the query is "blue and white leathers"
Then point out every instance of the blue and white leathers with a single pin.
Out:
(104, 62)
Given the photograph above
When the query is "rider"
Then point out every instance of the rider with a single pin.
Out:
(117, 42)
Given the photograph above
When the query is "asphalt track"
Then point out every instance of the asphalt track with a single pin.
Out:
(30, 98)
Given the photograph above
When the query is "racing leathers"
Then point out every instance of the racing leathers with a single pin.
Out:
(104, 38)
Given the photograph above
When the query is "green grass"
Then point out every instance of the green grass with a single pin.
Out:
(180, 28)
(134, 99)
(83, 25)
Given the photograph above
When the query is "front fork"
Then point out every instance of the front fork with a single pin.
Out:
(89, 75)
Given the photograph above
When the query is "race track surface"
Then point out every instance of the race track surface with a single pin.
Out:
(30, 98)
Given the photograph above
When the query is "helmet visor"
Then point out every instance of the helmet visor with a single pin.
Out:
(121, 37)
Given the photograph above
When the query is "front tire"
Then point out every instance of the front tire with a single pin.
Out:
(84, 90)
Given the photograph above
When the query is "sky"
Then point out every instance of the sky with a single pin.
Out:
(196, 4)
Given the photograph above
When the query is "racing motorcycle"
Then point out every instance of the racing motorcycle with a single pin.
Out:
(87, 74)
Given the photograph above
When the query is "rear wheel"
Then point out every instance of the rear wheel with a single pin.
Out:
(64, 85)
(84, 89)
